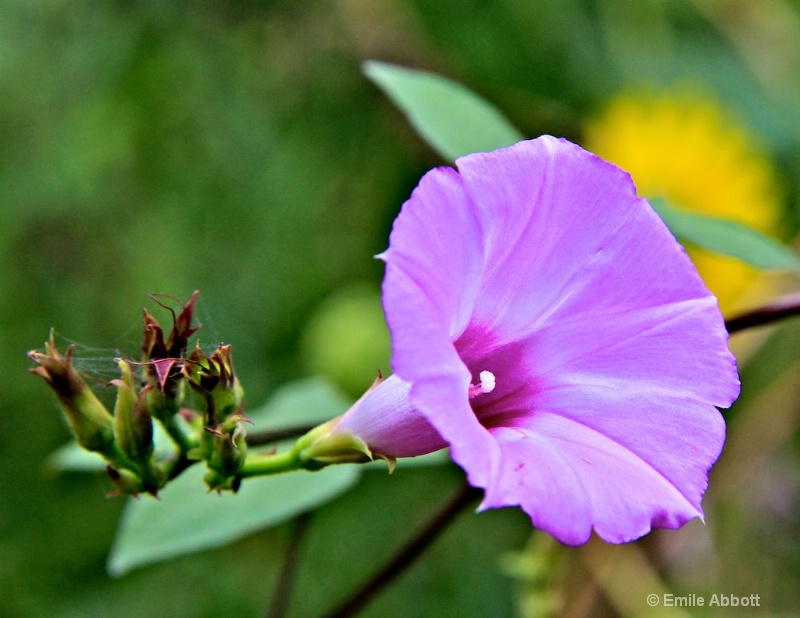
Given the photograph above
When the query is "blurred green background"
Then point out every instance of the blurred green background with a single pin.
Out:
(236, 148)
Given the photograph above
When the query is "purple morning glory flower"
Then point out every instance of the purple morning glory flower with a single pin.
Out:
(548, 328)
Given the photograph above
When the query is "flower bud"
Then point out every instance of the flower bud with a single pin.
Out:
(126, 483)
(90, 422)
(215, 383)
(228, 450)
(155, 346)
(162, 356)
(133, 425)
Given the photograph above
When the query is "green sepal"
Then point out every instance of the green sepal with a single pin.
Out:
(90, 422)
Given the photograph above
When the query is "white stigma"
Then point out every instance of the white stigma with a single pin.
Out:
(486, 386)
(487, 381)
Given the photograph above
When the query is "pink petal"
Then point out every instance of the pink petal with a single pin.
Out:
(539, 263)
(385, 419)
(570, 479)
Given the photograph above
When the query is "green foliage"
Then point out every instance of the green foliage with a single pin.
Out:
(187, 518)
(727, 238)
(452, 119)
(309, 401)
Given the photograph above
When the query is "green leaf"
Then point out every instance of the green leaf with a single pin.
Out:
(187, 518)
(727, 238)
(451, 118)
(72, 458)
(312, 400)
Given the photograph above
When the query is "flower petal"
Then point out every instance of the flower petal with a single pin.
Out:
(539, 264)
(565, 233)
(571, 479)
(387, 422)
(433, 271)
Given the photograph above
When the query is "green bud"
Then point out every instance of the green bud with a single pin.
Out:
(216, 386)
(133, 425)
(90, 422)
(221, 482)
(226, 455)
(126, 483)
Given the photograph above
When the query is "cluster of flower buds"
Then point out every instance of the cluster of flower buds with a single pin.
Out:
(218, 401)
(195, 397)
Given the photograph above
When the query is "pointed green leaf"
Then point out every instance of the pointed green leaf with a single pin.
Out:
(72, 458)
(451, 118)
(727, 237)
(187, 518)
(312, 400)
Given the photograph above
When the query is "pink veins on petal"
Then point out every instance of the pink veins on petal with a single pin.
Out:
(537, 268)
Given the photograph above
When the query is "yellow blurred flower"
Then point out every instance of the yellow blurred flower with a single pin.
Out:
(686, 149)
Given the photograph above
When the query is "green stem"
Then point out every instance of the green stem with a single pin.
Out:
(116, 458)
(321, 446)
(176, 434)
(177, 465)
(262, 465)
(151, 476)
(142, 469)
(183, 442)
